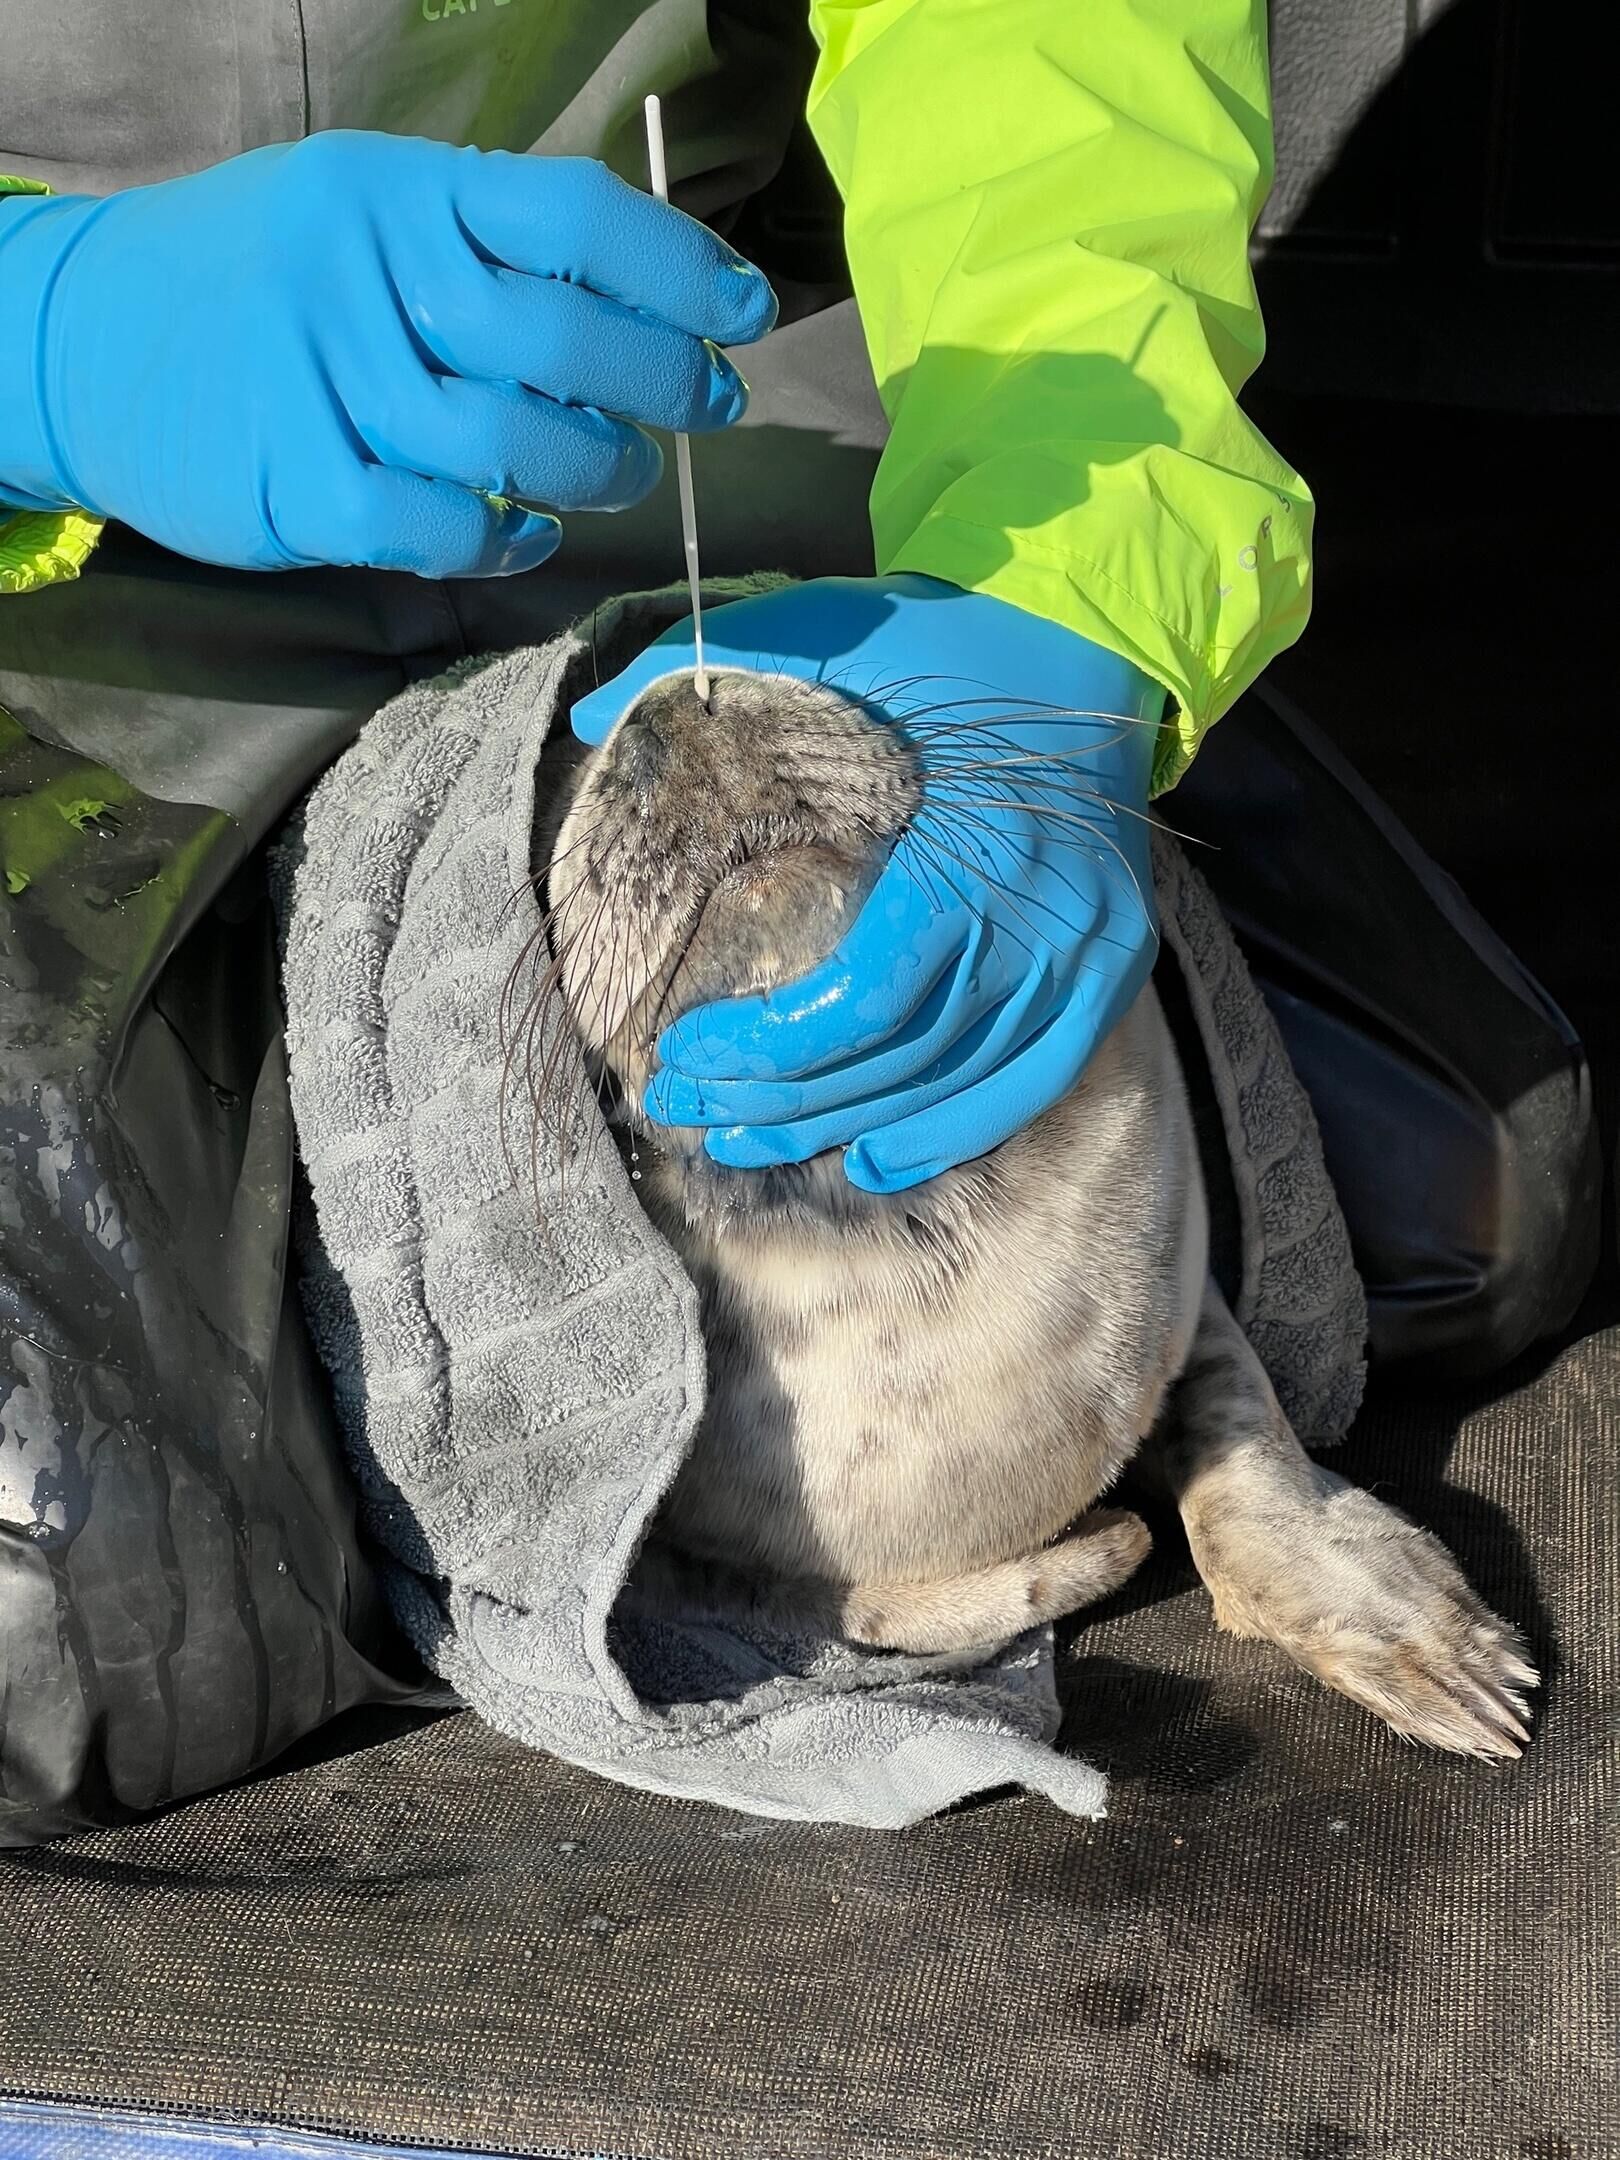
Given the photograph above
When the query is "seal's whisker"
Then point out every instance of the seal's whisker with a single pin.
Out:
(535, 883)
(945, 854)
(1067, 763)
(964, 815)
(1096, 830)
(982, 872)
(549, 1108)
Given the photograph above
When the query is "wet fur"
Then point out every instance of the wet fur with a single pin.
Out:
(915, 1403)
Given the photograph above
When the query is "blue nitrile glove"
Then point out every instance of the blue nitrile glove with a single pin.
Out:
(338, 350)
(1011, 927)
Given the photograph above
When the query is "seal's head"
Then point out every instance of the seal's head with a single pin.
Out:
(714, 851)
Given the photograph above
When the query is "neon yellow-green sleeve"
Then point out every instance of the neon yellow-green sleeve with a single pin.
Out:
(1047, 213)
(41, 547)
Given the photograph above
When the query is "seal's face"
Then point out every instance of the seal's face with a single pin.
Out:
(715, 851)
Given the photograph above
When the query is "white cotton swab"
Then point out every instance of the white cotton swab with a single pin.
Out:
(683, 449)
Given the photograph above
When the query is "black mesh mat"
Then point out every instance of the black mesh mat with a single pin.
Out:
(1292, 1936)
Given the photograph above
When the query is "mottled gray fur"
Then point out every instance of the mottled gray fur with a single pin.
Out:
(915, 1403)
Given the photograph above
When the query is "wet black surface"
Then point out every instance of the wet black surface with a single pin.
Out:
(182, 1590)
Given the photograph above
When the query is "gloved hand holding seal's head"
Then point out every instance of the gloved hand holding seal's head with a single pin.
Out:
(1013, 924)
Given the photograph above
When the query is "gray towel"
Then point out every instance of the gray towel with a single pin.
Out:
(1299, 1299)
(516, 1396)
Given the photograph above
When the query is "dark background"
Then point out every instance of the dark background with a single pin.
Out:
(1439, 265)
